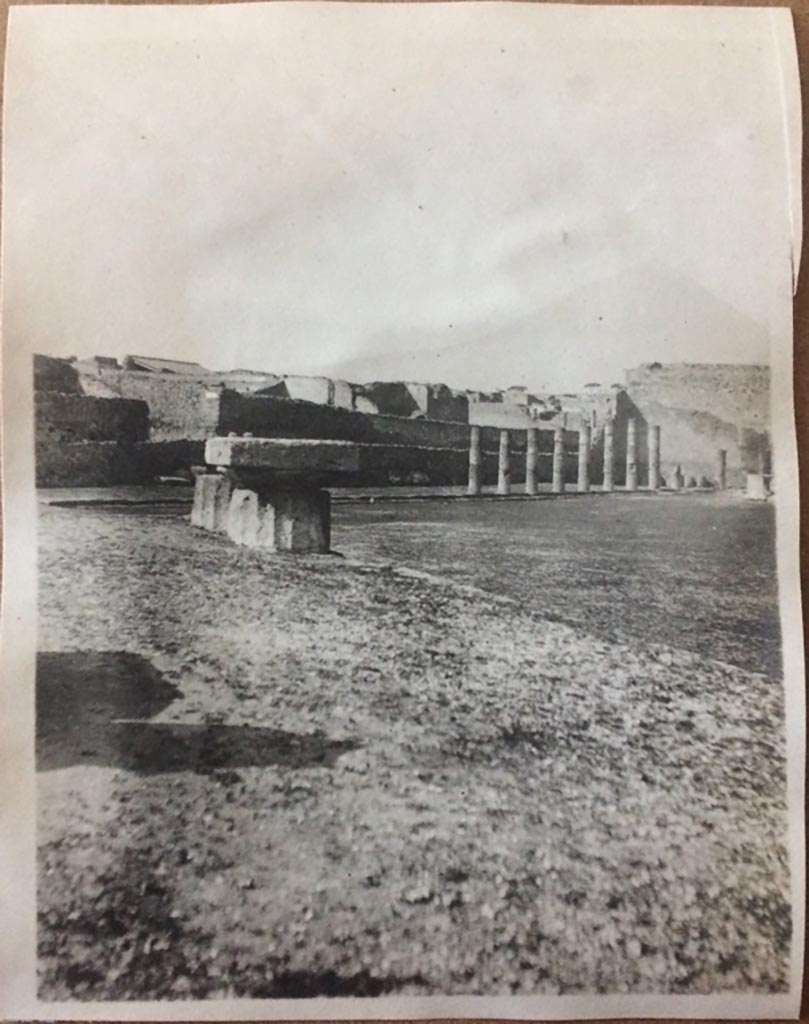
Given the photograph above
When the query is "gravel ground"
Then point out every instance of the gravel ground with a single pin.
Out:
(391, 771)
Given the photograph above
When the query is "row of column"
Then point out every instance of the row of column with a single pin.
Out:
(557, 474)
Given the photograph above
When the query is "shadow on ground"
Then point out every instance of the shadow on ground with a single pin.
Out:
(92, 708)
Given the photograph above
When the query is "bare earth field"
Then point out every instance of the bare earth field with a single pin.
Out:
(527, 747)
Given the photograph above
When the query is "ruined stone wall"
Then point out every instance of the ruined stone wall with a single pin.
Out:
(702, 408)
(266, 416)
(71, 417)
(91, 441)
(732, 392)
(309, 389)
(445, 404)
(81, 440)
(412, 400)
(343, 395)
(57, 375)
(109, 464)
(392, 398)
(85, 464)
(180, 408)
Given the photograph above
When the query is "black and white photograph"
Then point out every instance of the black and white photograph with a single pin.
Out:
(401, 589)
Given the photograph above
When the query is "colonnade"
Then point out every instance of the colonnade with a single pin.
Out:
(558, 456)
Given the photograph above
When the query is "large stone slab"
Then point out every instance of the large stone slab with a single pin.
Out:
(284, 458)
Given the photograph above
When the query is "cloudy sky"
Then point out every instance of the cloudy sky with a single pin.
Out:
(484, 194)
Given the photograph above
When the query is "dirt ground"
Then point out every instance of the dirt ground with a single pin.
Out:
(529, 747)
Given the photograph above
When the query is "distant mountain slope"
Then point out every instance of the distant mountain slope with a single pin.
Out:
(593, 333)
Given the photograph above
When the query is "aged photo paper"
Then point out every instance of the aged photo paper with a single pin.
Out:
(401, 611)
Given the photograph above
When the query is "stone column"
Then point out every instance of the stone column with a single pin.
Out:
(558, 484)
(531, 450)
(608, 456)
(723, 469)
(632, 454)
(584, 458)
(503, 465)
(654, 458)
(474, 461)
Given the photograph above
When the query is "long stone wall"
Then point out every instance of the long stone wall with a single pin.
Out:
(702, 408)
(266, 416)
(732, 392)
(108, 464)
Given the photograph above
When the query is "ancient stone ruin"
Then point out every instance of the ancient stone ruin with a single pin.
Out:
(103, 423)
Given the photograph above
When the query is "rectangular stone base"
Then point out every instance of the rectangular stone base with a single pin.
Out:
(211, 502)
(756, 487)
(296, 520)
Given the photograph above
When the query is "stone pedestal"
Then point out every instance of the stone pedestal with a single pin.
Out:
(211, 502)
(296, 520)
(269, 492)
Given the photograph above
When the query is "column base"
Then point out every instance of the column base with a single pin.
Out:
(756, 487)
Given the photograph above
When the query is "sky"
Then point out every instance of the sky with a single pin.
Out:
(479, 194)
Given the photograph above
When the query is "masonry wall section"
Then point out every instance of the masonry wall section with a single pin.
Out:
(68, 417)
(702, 408)
(179, 409)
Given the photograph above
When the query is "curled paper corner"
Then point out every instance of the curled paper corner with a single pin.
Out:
(786, 61)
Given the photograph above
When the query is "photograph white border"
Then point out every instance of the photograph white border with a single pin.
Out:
(18, 631)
